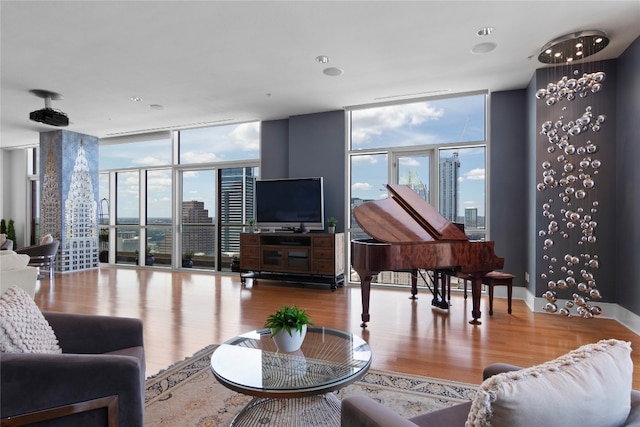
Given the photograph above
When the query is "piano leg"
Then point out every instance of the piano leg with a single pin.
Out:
(414, 284)
(476, 291)
(365, 290)
(439, 287)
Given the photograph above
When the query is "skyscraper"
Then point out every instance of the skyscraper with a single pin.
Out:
(237, 198)
(200, 237)
(448, 178)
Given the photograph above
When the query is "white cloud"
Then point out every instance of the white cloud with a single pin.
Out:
(192, 157)
(247, 136)
(365, 159)
(409, 161)
(375, 121)
(149, 161)
(361, 186)
(475, 174)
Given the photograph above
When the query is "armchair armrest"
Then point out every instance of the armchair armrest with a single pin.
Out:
(91, 334)
(498, 368)
(33, 382)
(362, 411)
(634, 415)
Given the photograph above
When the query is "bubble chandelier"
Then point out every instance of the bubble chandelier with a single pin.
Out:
(569, 175)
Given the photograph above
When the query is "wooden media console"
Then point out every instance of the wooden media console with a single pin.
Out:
(299, 257)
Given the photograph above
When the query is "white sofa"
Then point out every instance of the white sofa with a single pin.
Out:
(14, 271)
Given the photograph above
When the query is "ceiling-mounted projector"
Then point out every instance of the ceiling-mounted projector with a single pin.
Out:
(48, 115)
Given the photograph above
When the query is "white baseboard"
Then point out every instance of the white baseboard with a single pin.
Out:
(609, 310)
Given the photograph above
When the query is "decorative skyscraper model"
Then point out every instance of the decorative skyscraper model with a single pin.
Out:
(69, 197)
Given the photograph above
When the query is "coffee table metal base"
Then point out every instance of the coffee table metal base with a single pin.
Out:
(321, 410)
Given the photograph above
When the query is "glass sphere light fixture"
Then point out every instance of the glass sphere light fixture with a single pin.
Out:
(573, 47)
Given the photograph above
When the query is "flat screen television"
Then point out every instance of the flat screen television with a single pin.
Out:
(290, 204)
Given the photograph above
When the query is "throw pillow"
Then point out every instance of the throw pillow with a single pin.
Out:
(589, 386)
(46, 239)
(3, 238)
(23, 328)
(13, 261)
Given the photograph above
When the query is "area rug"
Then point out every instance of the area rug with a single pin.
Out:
(187, 394)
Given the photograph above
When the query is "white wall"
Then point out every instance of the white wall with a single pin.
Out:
(14, 191)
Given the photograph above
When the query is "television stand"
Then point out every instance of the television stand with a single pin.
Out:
(293, 257)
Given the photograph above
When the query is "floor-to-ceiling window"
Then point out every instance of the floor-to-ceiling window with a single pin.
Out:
(435, 146)
(177, 199)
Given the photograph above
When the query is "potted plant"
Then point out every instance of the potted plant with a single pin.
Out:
(252, 225)
(149, 259)
(288, 327)
(331, 224)
(235, 263)
(187, 259)
(103, 238)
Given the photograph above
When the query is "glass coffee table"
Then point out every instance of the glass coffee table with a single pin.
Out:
(291, 389)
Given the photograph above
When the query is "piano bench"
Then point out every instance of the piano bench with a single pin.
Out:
(498, 278)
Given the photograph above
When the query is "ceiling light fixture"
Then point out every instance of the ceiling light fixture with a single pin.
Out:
(136, 99)
(323, 59)
(573, 47)
(482, 48)
(485, 31)
(333, 71)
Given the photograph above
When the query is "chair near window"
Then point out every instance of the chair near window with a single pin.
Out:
(42, 256)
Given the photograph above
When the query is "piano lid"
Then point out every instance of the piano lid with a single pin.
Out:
(405, 217)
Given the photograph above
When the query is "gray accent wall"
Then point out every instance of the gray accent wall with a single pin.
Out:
(508, 181)
(274, 152)
(313, 145)
(627, 216)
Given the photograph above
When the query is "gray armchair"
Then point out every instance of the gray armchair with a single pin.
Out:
(98, 380)
(362, 411)
(42, 256)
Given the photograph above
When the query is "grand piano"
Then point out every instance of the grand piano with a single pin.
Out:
(408, 234)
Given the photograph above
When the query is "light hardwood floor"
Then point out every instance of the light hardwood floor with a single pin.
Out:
(184, 312)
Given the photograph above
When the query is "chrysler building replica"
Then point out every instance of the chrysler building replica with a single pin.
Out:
(69, 205)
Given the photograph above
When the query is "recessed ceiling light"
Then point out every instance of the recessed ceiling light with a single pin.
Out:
(156, 106)
(482, 48)
(333, 71)
(485, 31)
(323, 59)
(136, 99)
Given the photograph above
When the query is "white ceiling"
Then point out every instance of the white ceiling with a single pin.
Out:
(212, 62)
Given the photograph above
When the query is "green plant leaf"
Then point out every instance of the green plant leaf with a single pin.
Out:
(287, 318)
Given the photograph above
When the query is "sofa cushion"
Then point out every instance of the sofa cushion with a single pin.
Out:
(590, 386)
(13, 261)
(23, 328)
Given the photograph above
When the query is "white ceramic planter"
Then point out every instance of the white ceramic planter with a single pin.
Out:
(288, 343)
